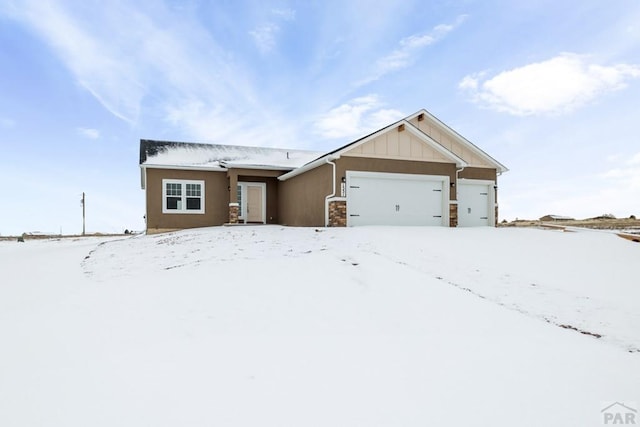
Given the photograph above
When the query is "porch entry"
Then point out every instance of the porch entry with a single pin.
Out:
(252, 197)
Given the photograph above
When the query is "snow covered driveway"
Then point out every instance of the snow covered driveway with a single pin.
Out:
(380, 326)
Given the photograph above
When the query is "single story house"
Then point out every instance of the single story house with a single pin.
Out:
(556, 218)
(416, 171)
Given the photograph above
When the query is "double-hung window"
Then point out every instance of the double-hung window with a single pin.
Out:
(182, 196)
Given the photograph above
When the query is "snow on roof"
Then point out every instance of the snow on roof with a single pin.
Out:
(187, 154)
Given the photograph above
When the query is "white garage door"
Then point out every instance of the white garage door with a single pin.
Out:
(396, 199)
(475, 203)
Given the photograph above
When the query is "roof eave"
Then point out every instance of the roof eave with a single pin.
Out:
(259, 167)
(143, 174)
(312, 165)
(185, 167)
(499, 166)
(435, 145)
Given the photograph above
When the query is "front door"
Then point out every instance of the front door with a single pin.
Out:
(255, 211)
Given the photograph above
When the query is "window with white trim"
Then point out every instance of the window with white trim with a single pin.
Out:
(182, 196)
(239, 193)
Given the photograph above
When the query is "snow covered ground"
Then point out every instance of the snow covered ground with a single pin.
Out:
(277, 326)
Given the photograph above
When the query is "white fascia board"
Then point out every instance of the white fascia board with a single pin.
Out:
(335, 156)
(415, 131)
(434, 144)
(143, 173)
(191, 168)
(302, 169)
(477, 150)
(368, 138)
(259, 167)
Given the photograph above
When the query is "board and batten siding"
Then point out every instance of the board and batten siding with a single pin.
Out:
(397, 145)
(444, 137)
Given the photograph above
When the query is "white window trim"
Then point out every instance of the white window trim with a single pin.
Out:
(242, 201)
(183, 183)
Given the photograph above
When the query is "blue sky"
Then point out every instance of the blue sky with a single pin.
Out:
(549, 88)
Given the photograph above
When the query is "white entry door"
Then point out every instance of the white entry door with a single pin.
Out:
(475, 203)
(254, 204)
(252, 200)
(396, 199)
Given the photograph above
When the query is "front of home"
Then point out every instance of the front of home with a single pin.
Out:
(416, 171)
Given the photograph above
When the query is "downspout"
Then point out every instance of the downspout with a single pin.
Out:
(458, 179)
(495, 199)
(146, 198)
(330, 161)
(457, 204)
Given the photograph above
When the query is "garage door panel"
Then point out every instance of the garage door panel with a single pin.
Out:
(394, 199)
(474, 204)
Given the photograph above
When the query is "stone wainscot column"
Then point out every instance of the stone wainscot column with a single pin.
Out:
(338, 213)
(234, 210)
(453, 214)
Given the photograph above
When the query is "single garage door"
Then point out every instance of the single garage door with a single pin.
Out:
(396, 199)
(474, 203)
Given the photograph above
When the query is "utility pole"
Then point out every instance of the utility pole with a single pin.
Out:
(83, 209)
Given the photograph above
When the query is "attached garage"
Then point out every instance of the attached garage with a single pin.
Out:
(475, 203)
(414, 172)
(375, 198)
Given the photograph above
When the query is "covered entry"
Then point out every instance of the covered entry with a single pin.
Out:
(252, 198)
(375, 198)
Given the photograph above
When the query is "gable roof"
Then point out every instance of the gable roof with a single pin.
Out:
(189, 155)
(461, 139)
(186, 155)
(335, 154)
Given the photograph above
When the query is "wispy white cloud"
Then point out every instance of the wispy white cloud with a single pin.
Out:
(129, 59)
(265, 35)
(216, 124)
(355, 117)
(94, 62)
(286, 14)
(635, 160)
(558, 85)
(88, 132)
(408, 48)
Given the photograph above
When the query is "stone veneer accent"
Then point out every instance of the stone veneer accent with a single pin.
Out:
(234, 211)
(338, 213)
(453, 214)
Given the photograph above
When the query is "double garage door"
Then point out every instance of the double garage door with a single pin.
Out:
(396, 199)
(404, 199)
